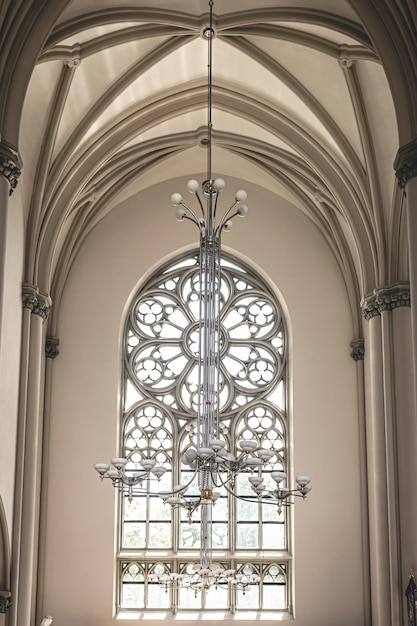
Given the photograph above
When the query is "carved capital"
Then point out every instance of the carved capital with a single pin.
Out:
(386, 298)
(405, 164)
(358, 349)
(38, 303)
(5, 601)
(51, 347)
(10, 164)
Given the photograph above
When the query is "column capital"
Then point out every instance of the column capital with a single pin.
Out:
(358, 349)
(405, 164)
(38, 303)
(5, 601)
(51, 347)
(386, 298)
(10, 164)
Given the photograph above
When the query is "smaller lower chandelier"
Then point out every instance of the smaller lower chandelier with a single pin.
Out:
(206, 578)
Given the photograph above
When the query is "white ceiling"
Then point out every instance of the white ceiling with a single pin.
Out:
(300, 104)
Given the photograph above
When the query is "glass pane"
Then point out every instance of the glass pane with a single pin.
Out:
(274, 597)
(248, 599)
(217, 598)
(274, 536)
(134, 510)
(158, 597)
(159, 510)
(270, 513)
(247, 510)
(159, 535)
(190, 535)
(132, 596)
(247, 536)
(219, 536)
(188, 599)
(133, 535)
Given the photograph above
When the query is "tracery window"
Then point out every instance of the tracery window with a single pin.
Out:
(158, 420)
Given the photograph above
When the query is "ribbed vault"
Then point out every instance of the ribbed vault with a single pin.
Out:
(301, 102)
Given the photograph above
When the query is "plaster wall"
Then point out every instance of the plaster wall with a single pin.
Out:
(80, 518)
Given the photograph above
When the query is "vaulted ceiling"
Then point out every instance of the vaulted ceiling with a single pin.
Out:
(301, 106)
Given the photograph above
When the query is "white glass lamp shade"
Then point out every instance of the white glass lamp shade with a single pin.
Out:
(102, 468)
(159, 471)
(190, 455)
(173, 500)
(113, 474)
(255, 480)
(241, 195)
(242, 210)
(219, 184)
(265, 455)
(303, 480)
(148, 464)
(217, 444)
(205, 453)
(248, 445)
(253, 461)
(180, 214)
(278, 476)
(193, 185)
(176, 199)
(119, 463)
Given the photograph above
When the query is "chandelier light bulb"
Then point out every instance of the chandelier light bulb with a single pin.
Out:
(228, 226)
(219, 184)
(180, 214)
(241, 196)
(242, 210)
(176, 199)
(192, 186)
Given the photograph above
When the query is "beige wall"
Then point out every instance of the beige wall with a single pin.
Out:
(282, 243)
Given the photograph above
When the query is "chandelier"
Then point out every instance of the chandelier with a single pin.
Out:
(211, 464)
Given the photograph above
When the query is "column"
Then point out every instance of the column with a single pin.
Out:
(387, 381)
(405, 166)
(10, 166)
(29, 455)
(358, 355)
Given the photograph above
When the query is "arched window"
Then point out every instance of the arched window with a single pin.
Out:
(158, 420)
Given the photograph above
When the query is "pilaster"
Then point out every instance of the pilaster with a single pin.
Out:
(36, 306)
(387, 311)
(405, 166)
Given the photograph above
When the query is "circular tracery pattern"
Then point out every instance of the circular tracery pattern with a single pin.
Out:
(162, 339)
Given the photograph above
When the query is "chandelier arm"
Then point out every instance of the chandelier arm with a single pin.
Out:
(203, 212)
(194, 217)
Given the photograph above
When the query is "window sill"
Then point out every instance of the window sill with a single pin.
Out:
(268, 618)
